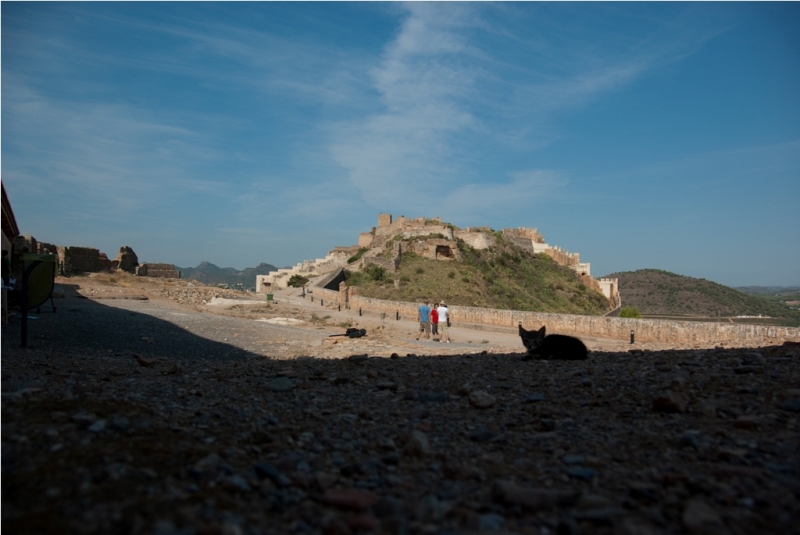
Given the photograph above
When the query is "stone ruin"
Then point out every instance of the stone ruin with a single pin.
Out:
(430, 238)
(76, 260)
(126, 259)
(164, 271)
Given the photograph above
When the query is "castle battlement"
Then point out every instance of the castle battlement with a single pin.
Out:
(430, 238)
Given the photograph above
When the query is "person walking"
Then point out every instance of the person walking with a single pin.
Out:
(443, 323)
(424, 317)
(435, 322)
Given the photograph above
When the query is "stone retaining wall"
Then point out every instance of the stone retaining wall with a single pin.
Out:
(163, 271)
(645, 330)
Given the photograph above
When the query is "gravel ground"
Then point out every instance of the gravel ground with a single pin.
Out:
(138, 408)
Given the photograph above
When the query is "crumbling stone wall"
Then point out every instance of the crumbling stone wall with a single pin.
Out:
(390, 261)
(530, 234)
(434, 248)
(73, 260)
(46, 248)
(127, 259)
(164, 271)
(344, 251)
(477, 238)
(365, 238)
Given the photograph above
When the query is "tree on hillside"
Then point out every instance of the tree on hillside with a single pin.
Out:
(297, 281)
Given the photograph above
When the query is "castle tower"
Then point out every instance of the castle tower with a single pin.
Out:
(384, 220)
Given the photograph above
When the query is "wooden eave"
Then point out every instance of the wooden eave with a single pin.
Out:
(10, 228)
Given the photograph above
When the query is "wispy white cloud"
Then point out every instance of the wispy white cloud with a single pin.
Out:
(440, 92)
(118, 157)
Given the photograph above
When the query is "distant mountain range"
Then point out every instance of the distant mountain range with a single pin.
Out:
(212, 275)
(660, 293)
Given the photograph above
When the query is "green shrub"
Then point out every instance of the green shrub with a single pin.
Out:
(376, 273)
(358, 255)
(629, 312)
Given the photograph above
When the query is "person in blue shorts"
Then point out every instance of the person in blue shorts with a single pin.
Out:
(424, 318)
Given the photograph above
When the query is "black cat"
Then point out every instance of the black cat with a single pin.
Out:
(555, 346)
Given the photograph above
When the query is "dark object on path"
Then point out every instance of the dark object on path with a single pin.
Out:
(352, 333)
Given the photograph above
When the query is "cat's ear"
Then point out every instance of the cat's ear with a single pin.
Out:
(541, 331)
(521, 330)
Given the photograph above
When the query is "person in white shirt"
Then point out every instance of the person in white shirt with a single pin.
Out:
(444, 332)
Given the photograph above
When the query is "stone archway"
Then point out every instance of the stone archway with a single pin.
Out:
(444, 251)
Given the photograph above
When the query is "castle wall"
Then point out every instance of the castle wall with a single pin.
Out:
(335, 259)
(435, 249)
(427, 230)
(582, 268)
(475, 239)
(562, 257)
(164, 271)
(524, 233)
(646, 330)
(365, 238)
(524, 243)
(346, 251)
(609, 288)
(78, 259)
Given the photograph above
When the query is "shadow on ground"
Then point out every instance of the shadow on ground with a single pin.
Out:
(85, 325)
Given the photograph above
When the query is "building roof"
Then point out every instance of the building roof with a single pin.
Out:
(10, 228)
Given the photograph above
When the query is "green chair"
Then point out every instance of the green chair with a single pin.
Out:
(38, 281)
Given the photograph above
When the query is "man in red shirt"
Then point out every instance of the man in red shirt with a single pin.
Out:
(435, 322)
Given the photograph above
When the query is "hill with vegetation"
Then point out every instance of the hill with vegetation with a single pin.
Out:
(661, 293)
(212, 275)
(504, 277)
(785, 295)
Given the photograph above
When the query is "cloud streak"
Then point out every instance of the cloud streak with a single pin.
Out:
(437, 90)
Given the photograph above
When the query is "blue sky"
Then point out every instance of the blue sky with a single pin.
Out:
(641, 135)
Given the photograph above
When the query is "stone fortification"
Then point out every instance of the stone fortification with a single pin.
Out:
(402, 226)
(413, 231)
(525, 236)
(427, 237)
(126, 259)
(79, 260)
(335, 259)
(430, 238)
(646, 330)
(76, 260)
(610, 288)
(162, 271)
(71, 260)
(481, 238)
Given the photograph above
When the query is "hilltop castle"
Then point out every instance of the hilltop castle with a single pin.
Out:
(430, 238)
